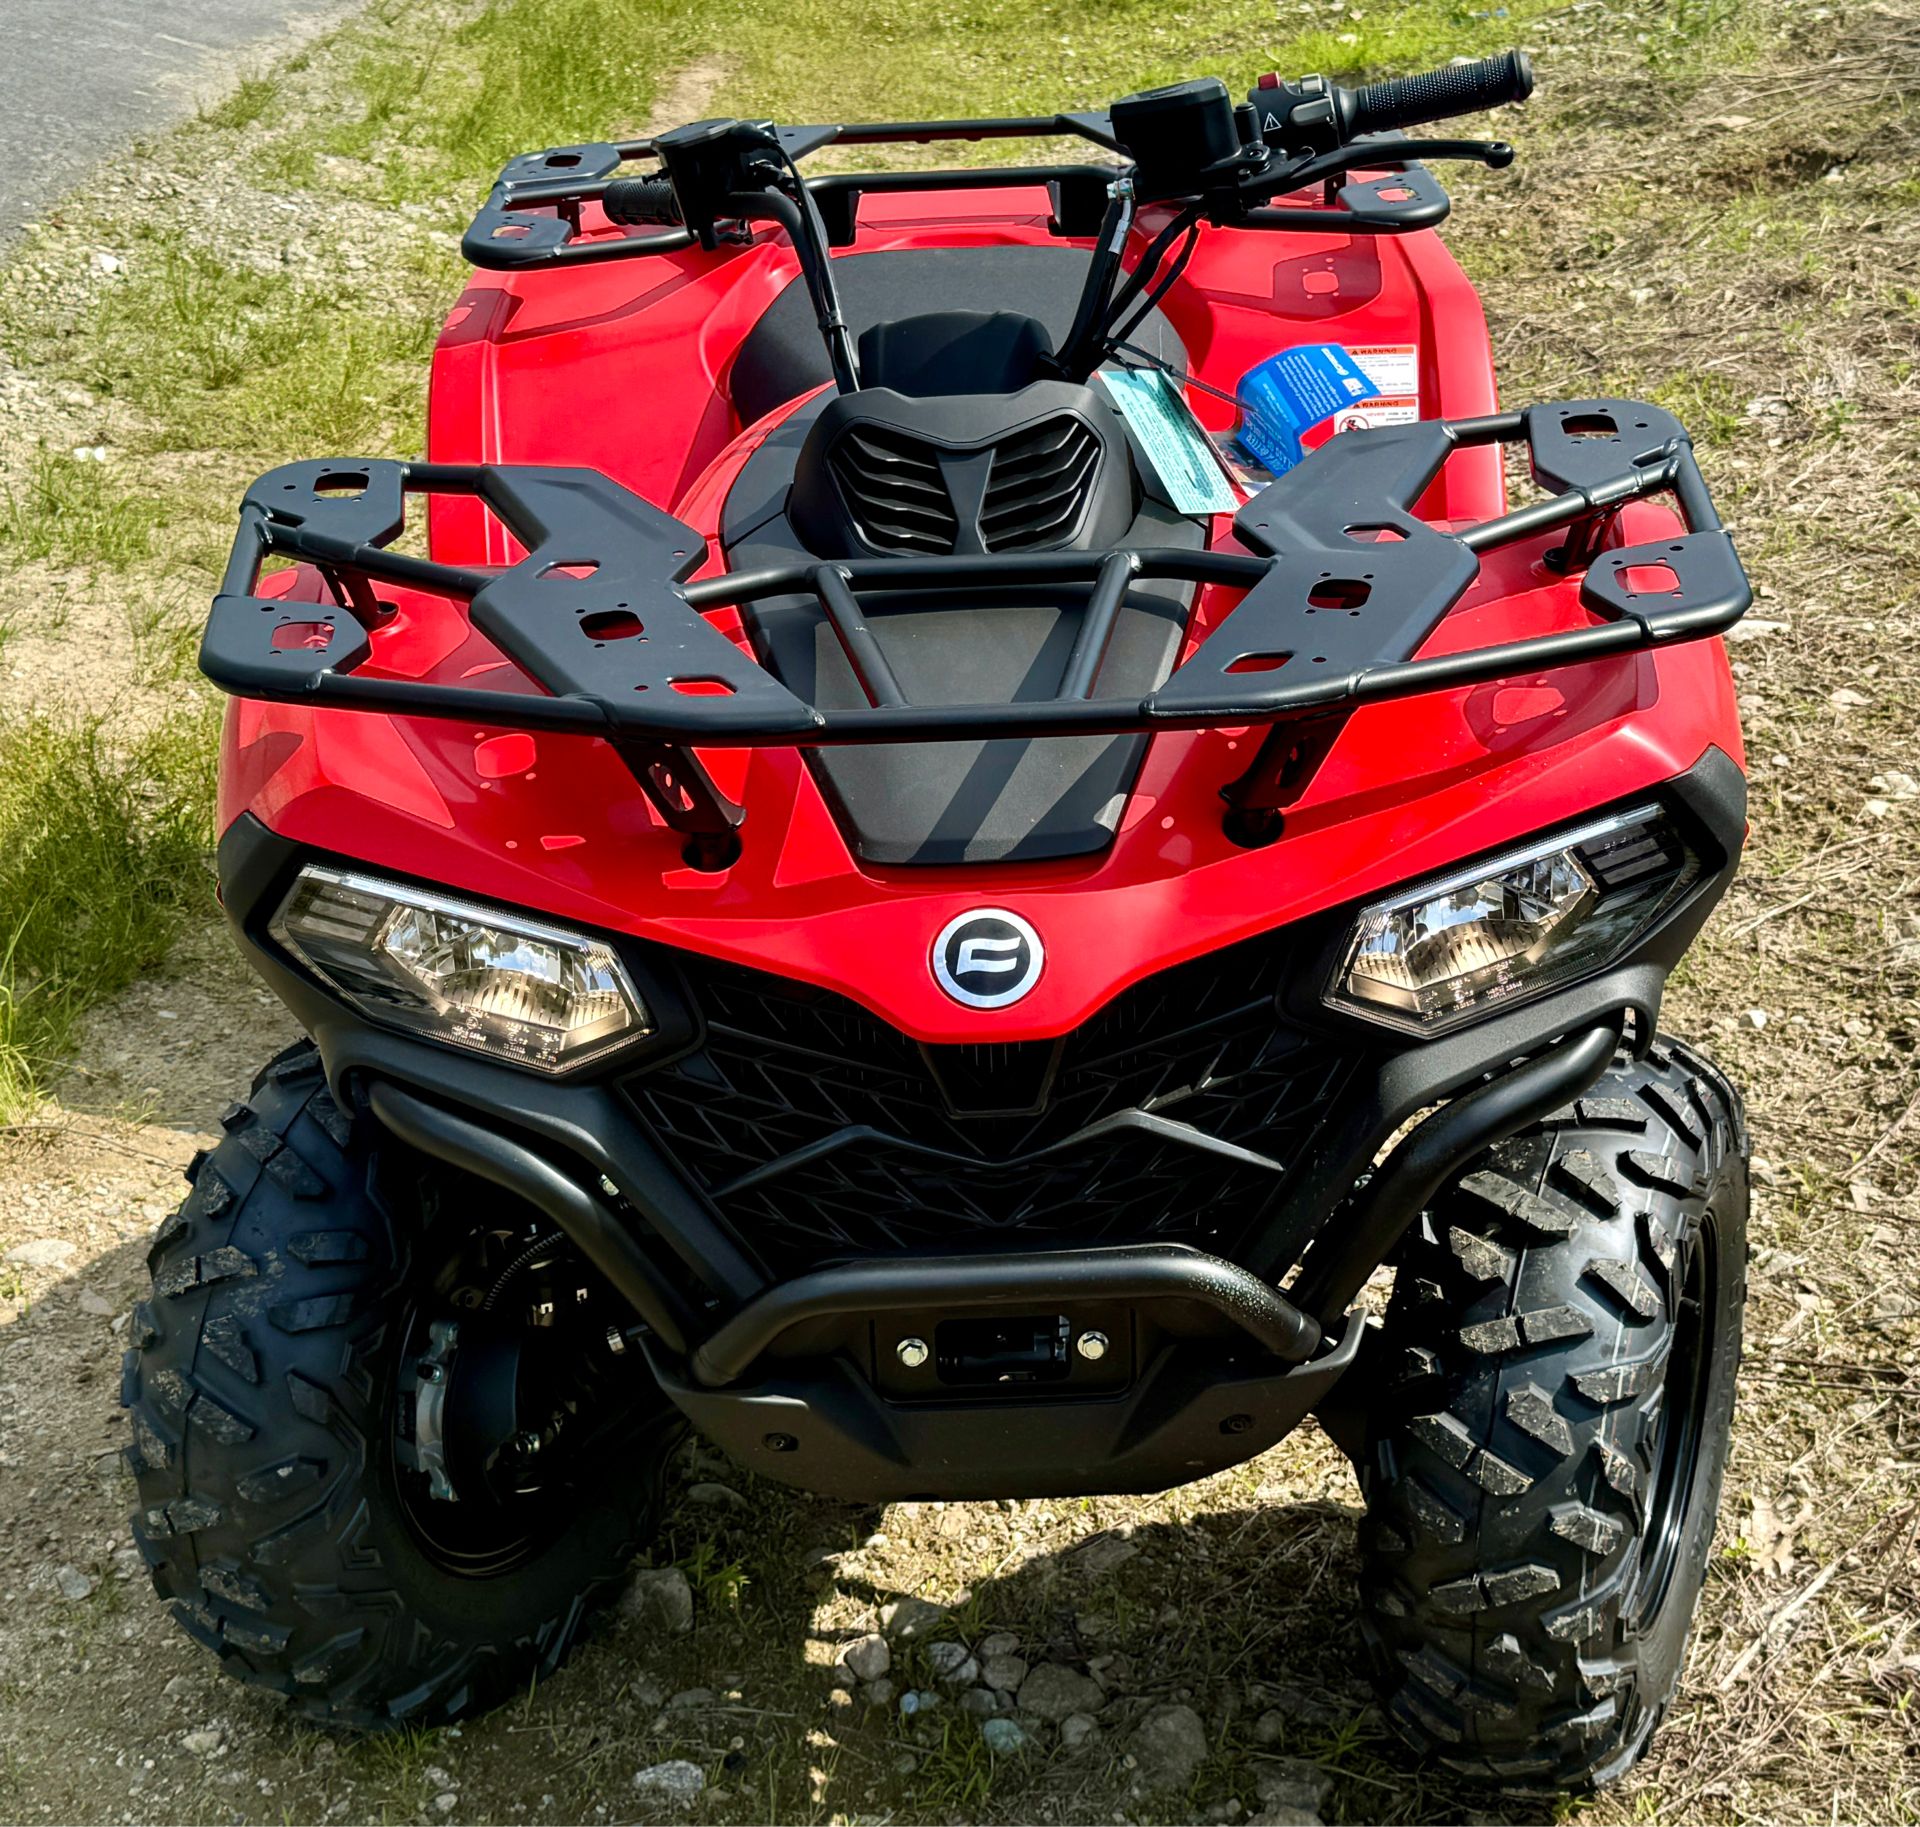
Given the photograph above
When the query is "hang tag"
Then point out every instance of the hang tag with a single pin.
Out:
(1171, 439)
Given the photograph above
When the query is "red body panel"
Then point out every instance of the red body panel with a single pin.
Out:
(622, 367)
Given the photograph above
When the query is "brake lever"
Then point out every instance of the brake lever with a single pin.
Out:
(1497, 155)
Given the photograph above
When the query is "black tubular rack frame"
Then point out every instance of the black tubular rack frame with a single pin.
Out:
(532, 216)
(605, 617)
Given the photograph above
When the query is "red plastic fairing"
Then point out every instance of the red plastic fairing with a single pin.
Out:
(623, 366)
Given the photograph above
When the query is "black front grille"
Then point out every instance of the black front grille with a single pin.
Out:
(893, 489)
(819, 1131)
(1039, 486)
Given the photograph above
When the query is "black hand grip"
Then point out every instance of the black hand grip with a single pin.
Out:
(640, 202)
(1464, 88)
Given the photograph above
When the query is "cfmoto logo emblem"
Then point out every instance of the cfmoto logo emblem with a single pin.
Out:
(987, 958)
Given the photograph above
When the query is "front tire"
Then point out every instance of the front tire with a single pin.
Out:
(1544, 1467)
(274, 1380)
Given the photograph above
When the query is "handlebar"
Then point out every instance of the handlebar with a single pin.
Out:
(642, 202)
(1437, 95)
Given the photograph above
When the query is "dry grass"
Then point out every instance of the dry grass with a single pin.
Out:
(1744, 245)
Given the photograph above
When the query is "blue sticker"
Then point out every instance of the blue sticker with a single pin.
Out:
(1290, 393)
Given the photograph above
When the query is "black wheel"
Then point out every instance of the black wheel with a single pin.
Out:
(1545, 1459)
(390, 1438)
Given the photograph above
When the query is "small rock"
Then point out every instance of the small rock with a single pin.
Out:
(690, 1699)
(204, 1742)
(1891, 1307)
(1053, 1691)
(1272, 1726)
(436, 1778)
(677, 1782)
(179, 1687)
(918, 1700)
(1076, 1729)
(1284, 1817)
(40, 1253)
(718, 1497)
(659, 1599)
(1103, 1553)
(1004, 1672)
(96, 1304)
(1896, 785)
(880, 1692)
(108, 263)
(1001, 1643)
(906, 1620)
(982, 1702)
(1754, 628)
(446, 1801)
(72, 1582)
(1003, 1737)
(1848, 699)
(1292, 1782)
(951, 1663)
(1169, 1746)
(868, 1657)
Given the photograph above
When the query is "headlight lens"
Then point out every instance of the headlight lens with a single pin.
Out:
(494, 983)
(1443, 952)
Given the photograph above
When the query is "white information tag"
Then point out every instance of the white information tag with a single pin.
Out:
(1172, 439)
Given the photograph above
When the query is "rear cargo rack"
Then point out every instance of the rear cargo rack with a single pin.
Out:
(534, 217)
(1343, 585)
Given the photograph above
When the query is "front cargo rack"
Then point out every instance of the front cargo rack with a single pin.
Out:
(603, 567)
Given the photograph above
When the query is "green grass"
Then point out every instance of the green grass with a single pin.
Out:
(439, 112)
(247, 103)
(103, 848)
(938, 58)
(74, 513)
(226, 357)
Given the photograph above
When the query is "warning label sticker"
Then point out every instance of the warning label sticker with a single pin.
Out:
(1394, 370)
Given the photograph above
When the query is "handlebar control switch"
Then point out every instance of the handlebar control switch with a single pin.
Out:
(1314, 115)
(709, 161)
(1184, 139)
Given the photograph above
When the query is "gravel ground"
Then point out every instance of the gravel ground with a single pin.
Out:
(80, 79)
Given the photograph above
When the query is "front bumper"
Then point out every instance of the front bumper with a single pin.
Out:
(815, 1403)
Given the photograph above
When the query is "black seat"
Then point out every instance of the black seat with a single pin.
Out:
(783, 357)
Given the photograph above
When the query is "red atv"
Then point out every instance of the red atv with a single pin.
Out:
(882, 890)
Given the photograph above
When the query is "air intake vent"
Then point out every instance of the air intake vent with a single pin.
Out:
(1038, 486)
(892, 486)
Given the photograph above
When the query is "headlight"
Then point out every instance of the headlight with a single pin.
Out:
(495, 983)
(1442, 952)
